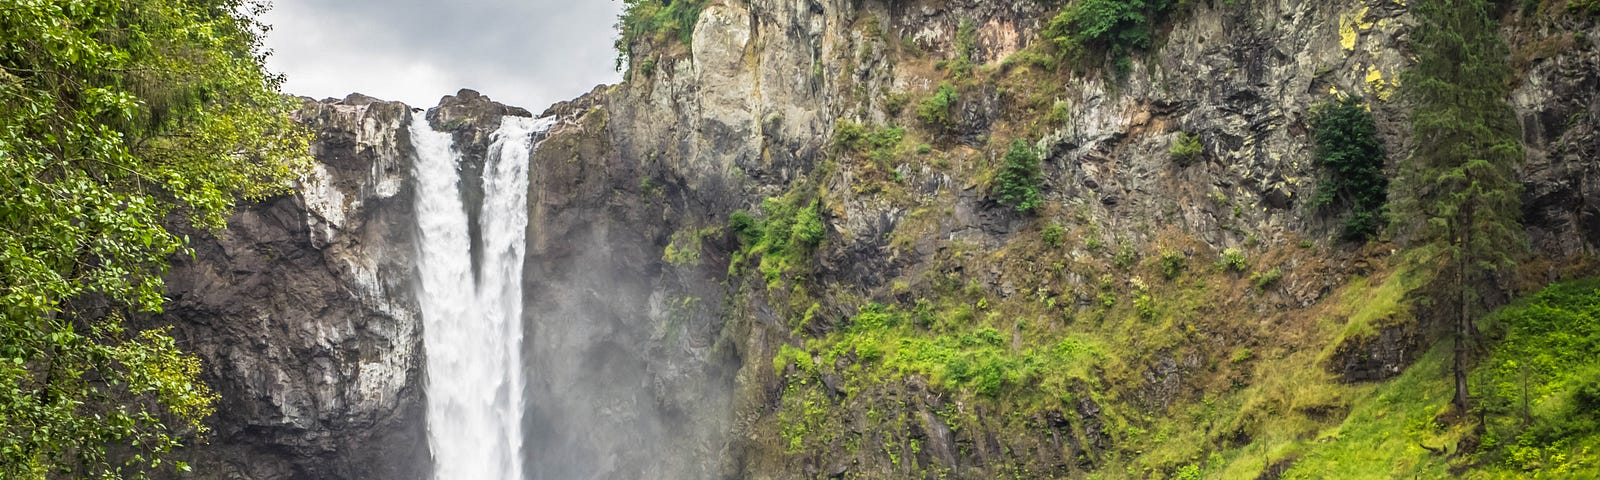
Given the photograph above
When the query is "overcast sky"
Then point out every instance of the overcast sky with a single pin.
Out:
(526, 53)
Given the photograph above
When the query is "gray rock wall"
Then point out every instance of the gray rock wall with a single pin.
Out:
(304, 316)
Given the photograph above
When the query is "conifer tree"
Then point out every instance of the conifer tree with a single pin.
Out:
(1461, 178)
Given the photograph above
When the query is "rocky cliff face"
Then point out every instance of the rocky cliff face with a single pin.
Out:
(304, 315)
(750, 112)
(629, 371)
(646, 361)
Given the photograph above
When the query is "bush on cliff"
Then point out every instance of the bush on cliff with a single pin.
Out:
(655, 21)
(1018, 183)
(1349, 150)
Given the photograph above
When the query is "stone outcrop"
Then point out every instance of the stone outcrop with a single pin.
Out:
(1558, 101)
(304, 314)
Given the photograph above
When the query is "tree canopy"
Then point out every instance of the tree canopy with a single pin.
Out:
(118, 119)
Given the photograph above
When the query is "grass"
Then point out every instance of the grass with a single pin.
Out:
(1383, 436)
(1376, 307)
(1261, 398)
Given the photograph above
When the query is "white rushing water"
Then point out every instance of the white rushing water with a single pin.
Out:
(472, 329)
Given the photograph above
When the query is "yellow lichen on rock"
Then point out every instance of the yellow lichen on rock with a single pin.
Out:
(1351, 26)
(1381, 87)
(1347, 33)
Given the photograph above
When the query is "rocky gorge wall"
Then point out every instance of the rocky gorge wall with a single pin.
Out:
(750, 110)
(652, 363)
(304, 317)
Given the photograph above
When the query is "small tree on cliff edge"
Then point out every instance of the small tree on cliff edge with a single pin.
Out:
(1461, 180)
(1018, 182)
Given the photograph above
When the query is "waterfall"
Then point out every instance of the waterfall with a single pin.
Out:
(472, 327)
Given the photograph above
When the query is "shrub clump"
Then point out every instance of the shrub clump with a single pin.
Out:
(655, 21)
(1172, 265)
(1118, 27)
(938, 111)
(790, 231)
(1018, 183)
(1053, 235)
(1349, 150)
(1264, 280)
(1232, 260)
(1584, 7)
(880, 143)
(1186, 148)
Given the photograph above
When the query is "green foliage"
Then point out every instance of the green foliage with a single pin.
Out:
(1261, 281)
(1540, 388)
(1053, 235)
(894, 103)
(1187, 472)
(1173, 264)
(1381, 436)
(1031, 57)
(684, 249)
(1018, 183)
(849, 136)
(783, 240)
(966, 49)
(1584, 7)
(655, 21)
(1118, 27)
(117, 117)
(1349, 149)
(881, 143)
(745, 226)
(889, 339)
(1186, 148)
(1126, 257)
(938, 111)
(1233, 260)
(1464, 179)
(1145, 305)
(788, 355)
(1530, 393)
(1060, 114)
(808, 229)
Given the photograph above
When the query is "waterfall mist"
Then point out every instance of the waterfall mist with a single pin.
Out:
(630, 371)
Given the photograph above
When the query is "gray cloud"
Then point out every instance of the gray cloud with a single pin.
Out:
(528, 53)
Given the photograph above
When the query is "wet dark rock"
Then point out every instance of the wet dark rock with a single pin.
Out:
(1378, 357)
(1094, 426)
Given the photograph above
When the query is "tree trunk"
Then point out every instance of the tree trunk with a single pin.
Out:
(1464, 321)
